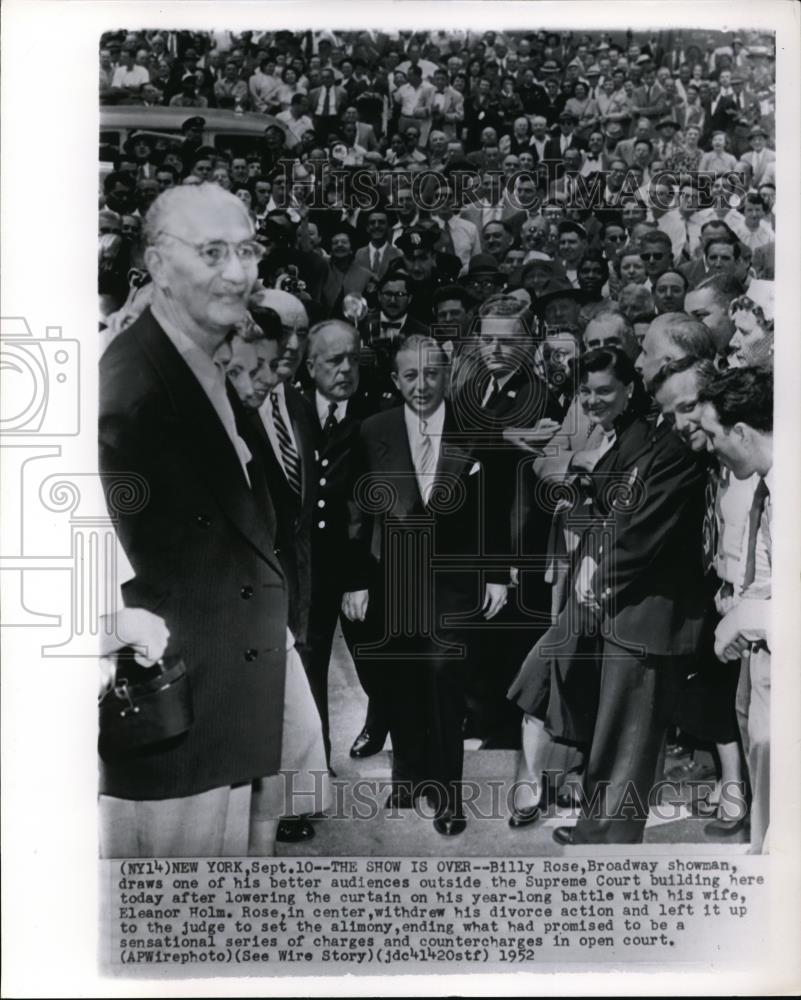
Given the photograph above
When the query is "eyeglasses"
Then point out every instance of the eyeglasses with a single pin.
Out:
(393, 295)
(216, 253)
(652, 256)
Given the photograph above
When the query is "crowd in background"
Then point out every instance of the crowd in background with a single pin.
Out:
(562, 246)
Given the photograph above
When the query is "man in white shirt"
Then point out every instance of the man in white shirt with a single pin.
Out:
(296, 118)
(737, 417)
(129, 77)
(416, 102)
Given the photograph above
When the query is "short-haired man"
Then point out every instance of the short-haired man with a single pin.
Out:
(737, 417)
(412, 451)
(709, 302)
(656, 255)
(669, 337)
(610, 328)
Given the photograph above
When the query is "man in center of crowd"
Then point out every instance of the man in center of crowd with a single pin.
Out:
(421, 499)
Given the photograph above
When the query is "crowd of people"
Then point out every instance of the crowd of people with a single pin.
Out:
(472, 356)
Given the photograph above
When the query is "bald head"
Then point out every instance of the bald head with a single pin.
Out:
(295, 324)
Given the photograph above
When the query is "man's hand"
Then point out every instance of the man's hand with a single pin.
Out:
(354, 605)
(145, 632)
(585, 594)
(532, 438)
(494, 599)
(583, 461)
(734, 650)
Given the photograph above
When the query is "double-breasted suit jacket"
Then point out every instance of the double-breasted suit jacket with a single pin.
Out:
(200, 541)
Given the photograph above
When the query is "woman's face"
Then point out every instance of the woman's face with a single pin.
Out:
(580, 92)
(632, 270)
(290, 76)
(691, 136)
(604, 397)
(609, 85)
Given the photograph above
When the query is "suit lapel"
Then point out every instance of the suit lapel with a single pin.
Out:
(206, 440)
(396, 458)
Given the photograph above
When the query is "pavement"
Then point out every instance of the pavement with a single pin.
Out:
(358, 825)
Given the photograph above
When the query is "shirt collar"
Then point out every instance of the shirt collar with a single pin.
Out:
(322, 403)
(434, 423)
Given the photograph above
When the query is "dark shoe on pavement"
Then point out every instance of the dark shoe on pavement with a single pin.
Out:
(563, 835)
(367, 744)
(449, 825)
(401, 797)
(524, 817)
(293, 829)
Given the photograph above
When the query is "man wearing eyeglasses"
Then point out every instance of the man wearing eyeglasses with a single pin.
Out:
(200, 540)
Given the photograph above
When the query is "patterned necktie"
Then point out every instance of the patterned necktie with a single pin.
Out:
(331, 420)
(289, 453)
(424, 462)
(710, 526)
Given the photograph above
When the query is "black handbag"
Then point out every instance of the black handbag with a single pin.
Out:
(136, 714)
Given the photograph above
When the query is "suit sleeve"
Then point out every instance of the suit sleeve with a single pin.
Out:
(360, 522)
(668, 497)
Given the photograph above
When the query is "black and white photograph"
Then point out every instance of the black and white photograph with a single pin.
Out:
(412, 482)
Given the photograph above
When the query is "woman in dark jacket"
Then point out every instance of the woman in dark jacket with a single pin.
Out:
(602, 680)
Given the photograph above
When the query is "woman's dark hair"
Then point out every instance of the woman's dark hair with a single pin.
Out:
(602, 359)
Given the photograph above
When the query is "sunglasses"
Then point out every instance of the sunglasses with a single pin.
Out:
(652, 256)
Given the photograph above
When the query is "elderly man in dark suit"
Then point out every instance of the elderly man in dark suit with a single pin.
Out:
(421, 498)
(337, 407)
(201, 542)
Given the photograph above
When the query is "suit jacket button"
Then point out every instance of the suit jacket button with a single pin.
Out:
(277, 550)
(246, 592)
(203, 520)
(251, 654)
(324, 462)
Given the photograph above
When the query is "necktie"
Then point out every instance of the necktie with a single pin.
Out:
(327, 103)
(424, 462)
(376, 262)
(492, 392)
(390, 329)
(710, 525)
(754, 517)
(331, 420)
(289, 453)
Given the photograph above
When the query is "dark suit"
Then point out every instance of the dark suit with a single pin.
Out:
(415, 628)
(375, 366)
(201, 546)
(363, 256)
(554, 156)
(523, 400)
(334, 476)
(293, 513)
(646, 540)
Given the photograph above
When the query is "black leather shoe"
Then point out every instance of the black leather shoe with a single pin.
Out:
(524, 817)
(366, 744)
(567, 797)
(725, 827)
(563, 835)
(293, 829)
(703, 808)
(401, 797)
(449, 825)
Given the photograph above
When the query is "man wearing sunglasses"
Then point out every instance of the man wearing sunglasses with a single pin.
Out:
(201, 540)
(656, 254)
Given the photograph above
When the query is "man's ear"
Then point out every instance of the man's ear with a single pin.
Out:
(742, 432)
(395, 380)
(155, 265)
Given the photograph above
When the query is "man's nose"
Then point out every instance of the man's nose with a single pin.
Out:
(638, 364)
(233, 269)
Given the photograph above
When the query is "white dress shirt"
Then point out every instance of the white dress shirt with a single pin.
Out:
(212, 381)
(433, 431)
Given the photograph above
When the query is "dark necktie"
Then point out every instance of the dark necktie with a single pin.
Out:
(330, 420)
(754, 517)
(327, 103)
(289, 453)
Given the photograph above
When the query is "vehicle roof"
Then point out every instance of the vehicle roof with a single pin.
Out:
(139, 116)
